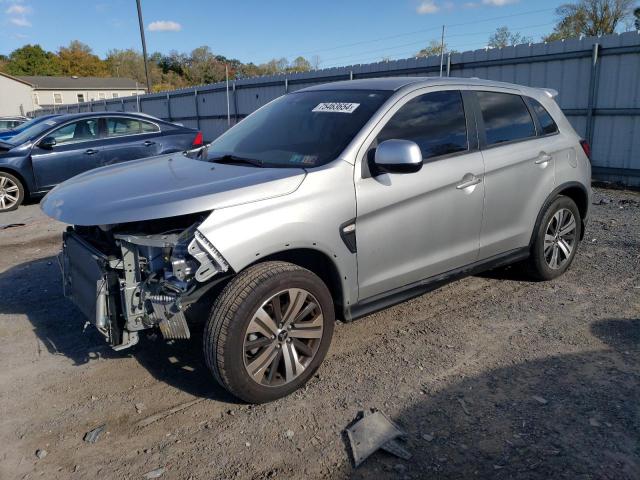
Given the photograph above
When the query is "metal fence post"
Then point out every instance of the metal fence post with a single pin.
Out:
(350, 74)
(122, 104)
(448, 64)
(286, 85)
(195, 99)
(235, 103)
(593, 92)
(169, 106)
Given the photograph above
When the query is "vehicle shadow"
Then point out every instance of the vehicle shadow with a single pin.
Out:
(566, 416)
(37, 293)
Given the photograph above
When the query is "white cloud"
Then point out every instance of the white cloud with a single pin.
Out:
(164, 26)
(20, 22)
(498, 3)
(427, 7)
(18, 10)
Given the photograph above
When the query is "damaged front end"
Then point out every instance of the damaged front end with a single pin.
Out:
(131, 277)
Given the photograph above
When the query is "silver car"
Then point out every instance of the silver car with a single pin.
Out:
(336, 200)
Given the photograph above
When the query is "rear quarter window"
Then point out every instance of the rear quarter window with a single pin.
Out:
(547, 124)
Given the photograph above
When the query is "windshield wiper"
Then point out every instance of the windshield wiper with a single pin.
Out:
(229, 158)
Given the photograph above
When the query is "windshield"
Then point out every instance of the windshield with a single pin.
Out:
(32, 131)
(304, 129)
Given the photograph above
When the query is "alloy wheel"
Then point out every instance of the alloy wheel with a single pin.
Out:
(283, 337)
(9, 193)
(560, 238)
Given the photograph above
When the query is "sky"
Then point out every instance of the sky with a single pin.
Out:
(342, 32)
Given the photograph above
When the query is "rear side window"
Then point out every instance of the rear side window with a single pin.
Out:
(547, 125)
(506, 117)
(435, 121)
(117, 127)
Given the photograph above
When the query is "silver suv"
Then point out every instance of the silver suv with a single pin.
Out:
(339, 199)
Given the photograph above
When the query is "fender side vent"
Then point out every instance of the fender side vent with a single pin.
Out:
(348, 235)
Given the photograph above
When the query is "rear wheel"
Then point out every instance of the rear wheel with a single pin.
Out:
(556, 240)
(269, 330)
(11, 192)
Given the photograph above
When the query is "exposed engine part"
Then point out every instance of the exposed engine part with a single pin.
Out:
(168, 313)
(129, 339)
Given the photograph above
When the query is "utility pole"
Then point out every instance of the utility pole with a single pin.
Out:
(144, 46)
(441, 50)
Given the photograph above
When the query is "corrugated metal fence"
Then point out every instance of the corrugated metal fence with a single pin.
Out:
(598, 79)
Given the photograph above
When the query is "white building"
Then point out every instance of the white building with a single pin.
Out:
(19, 95)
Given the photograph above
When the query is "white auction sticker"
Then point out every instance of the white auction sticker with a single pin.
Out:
(336, 107)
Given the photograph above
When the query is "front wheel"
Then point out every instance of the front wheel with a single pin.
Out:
(11, 192)
(556, 240)
(269, 330)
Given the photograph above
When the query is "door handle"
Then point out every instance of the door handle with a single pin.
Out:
(91, 151)
(148, 143)
(469, 183)
(543, 158)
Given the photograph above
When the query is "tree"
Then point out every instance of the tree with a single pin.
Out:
(78, 59)
(300, 64)
(32, 60)
(589, 17)
(636, 14)
(434, 48)
(503, 37)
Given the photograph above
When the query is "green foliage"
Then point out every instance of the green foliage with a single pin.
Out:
(589, 17)
(434, 48)
(32, 60)
(503, 37)
(78, 59)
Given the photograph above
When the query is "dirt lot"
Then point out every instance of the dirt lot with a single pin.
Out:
(492, 376)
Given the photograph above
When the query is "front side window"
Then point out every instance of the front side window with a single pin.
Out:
(117, 127)
(81, 98)
(547, 125)
(114, 95)
(57, 98)
(300, 129)
(435, 121)
(79, 131)
(102, 95)
(506, 117)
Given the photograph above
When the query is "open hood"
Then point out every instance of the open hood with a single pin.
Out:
(161, 187)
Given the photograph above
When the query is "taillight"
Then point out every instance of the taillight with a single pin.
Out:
(198, 141)
(586, 147)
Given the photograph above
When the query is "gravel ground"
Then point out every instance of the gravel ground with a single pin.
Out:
(491, 376)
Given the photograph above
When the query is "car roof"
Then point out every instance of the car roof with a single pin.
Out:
(396, 83)
(71, 116)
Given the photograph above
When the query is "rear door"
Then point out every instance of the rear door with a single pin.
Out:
(519, 171)
(417, 225)
(128, 138)
(77, 149)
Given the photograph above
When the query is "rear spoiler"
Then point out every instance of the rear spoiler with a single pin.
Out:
(550, 92)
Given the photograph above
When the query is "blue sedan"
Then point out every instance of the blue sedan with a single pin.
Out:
(58, 148)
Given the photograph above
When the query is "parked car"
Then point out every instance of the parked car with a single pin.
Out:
(339, 199)
(5, 135)
(7, 123)
(52, 151)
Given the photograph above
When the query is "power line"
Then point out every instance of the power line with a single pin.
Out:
(422, 42)
(378, 39)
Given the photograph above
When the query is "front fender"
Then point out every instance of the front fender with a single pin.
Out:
(308, 218)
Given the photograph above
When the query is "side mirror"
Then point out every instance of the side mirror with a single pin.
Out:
(397, 156)
(47, 143)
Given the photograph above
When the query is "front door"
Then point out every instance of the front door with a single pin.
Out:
(77, 149)
(413, 226)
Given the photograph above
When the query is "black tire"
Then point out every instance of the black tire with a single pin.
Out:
(7, 202)
(538, 265)
(231, 314)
